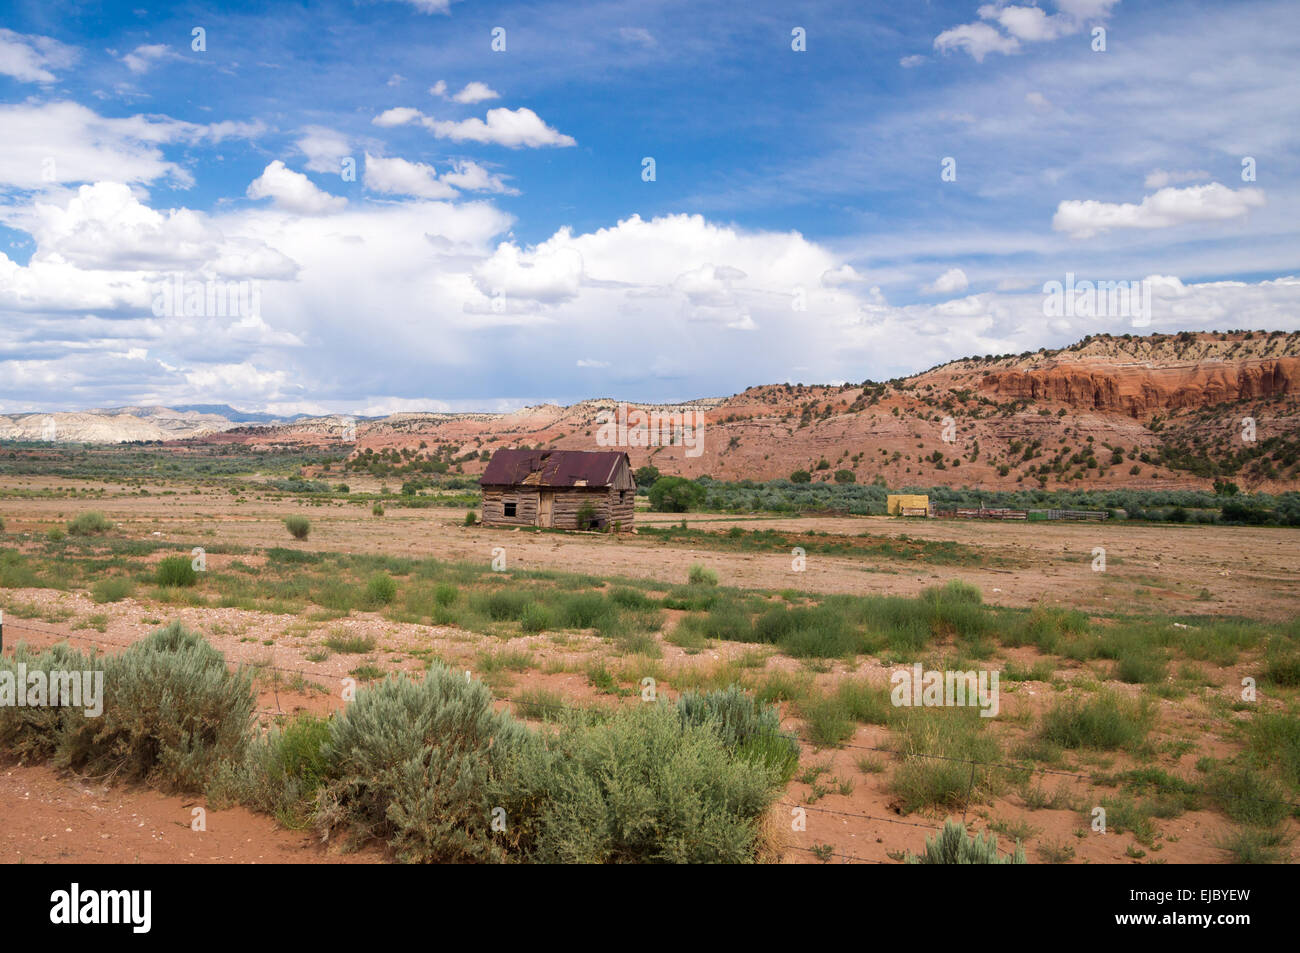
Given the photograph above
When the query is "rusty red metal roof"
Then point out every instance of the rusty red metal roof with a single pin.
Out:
(564, 468)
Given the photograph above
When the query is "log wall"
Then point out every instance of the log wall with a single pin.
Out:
(611, 505)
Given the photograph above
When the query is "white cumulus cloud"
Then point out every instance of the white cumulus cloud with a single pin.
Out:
(472, 177)
(476, 92)
(397, 116)
(31, 59)
(977, 39)
(143, 58)
(1020, 23)
(1164, 209)
(400, 177)
(950, 282)
(513, 128)
(324, 148)
(293, 191)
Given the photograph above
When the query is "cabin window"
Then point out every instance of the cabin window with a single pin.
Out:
(510, 508)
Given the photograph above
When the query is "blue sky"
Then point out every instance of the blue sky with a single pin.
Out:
(499, 245)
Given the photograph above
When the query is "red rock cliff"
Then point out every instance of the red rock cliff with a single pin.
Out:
(1141, 390)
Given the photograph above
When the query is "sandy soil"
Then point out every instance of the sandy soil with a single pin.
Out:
(1162, 569)
(1165, 568)
(49, 819)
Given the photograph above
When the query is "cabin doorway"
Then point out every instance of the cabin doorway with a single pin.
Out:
(546, 508)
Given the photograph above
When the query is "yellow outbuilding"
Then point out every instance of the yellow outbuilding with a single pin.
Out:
(907, 504)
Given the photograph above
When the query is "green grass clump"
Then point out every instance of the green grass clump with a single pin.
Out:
(1247, 795)
(700, 575)
(688, 634)
(826, 721)
(381, 589)
(1126, 815)
(1282, 663)
(1045, 627)
(346, 644)
(503, 605)
(832, 718)
(1166, 795)
(1275, 741)
(956, 607)
(336, 594)
(176, 571)
(953, 846)
(90, 523)
(285, 770)
(1219, 641)
(536, 618)
(1251, 845)
(627, 598)
(822, 631)
(938, 746)
(113, 589)
(1141, 669)
(1106, 722)
(728, 622)
(298, 526)
(749, 728)
(585, 610)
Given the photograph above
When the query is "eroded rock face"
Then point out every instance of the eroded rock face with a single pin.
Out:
(1141, 391)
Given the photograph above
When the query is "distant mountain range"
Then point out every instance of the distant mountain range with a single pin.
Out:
(1109, 411)
(215, 410)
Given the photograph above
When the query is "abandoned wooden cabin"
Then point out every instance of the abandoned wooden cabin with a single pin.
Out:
(563, 489)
